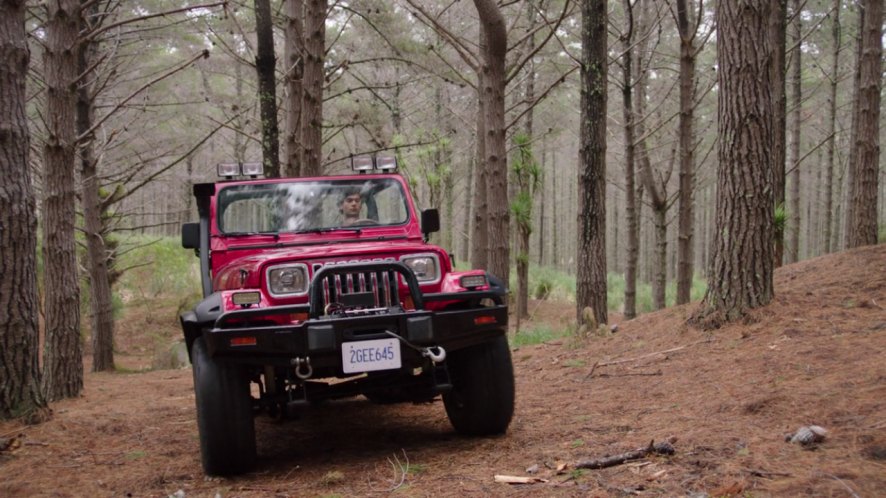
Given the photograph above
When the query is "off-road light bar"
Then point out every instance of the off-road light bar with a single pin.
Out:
(363, 164)
(230, 170)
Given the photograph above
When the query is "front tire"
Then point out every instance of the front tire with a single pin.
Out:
(481, 402)
(224, 414)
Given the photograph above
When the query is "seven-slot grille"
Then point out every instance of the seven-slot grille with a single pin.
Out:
(369, 289)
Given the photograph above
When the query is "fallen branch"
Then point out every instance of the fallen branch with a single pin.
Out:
(643, 357)
(663, 448)
(503, 479)
(766, 474)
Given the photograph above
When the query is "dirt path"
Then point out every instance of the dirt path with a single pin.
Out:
(814, 356)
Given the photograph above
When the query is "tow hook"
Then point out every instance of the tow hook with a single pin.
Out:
(437, 357)
(303, 369)
(428, 352)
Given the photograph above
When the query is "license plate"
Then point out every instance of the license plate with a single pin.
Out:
(368, 356)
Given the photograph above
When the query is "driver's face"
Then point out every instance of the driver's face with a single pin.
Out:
(351, 205)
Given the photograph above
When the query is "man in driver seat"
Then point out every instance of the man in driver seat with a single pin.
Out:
(350, 206)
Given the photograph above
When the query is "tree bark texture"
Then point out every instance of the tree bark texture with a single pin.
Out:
(63, 356)
(832, 124)
(312, 118)
(852, 164)
(686, 210)
(20, 391)
(742, 266)
(796, 90)
(777, 33)
(265, 67)
(627, 91)
(97, 255)
(493, 95)
(479, 235)
(293, 57)
(660, 274)
(658, 200)
(862, 225)
(591, 243)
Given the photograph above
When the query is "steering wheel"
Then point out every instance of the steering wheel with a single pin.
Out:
(363, 222)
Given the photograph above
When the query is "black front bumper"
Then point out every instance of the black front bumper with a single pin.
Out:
(245, 336)
(321, 339)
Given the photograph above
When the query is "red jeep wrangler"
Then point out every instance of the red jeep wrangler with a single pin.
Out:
(324, 288)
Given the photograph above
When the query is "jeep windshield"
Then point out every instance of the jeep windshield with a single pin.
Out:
(311, 206)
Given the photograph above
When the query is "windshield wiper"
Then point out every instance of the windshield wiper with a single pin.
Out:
(331, 229)
(274, 234)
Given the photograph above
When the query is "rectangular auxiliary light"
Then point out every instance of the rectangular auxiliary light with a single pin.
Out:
(229, 169)
(473, 281)
(361, 163)
(388, 163)
(246, 298)
(252, 169)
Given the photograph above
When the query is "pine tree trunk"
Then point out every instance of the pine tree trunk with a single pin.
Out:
(100, 299)
(686, 210)
(312, 108)
(862, 225)
(20, 392)
(591, 243)
(776, 23)
(793, 252)
(479, 235)
(627, 90)
(742, 266)
(465, 247)
(493, 95)
(542, 202)
(265, 67)
(828, 221)
(63, 356)
(659, 280)
(555, 215)
(294, 61)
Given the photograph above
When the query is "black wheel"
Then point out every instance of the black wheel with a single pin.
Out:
(224, 414)
(481, 401)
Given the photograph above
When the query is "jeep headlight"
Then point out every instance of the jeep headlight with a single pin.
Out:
(426, 267)
(287, 280)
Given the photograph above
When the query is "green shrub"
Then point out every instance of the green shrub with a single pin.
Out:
(535, 335)
(543, 288)
(158, 268)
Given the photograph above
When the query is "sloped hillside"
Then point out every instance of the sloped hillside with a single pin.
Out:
(816, 355)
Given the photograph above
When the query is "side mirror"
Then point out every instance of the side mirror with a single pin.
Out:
(191, 235)
(430, 221)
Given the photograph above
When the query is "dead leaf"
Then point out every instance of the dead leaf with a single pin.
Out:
(561, 467)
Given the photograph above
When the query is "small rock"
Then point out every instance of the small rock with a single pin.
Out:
(613, 328)
(807, 435)
(532, 469)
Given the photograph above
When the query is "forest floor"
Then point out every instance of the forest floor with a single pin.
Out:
(726, 398)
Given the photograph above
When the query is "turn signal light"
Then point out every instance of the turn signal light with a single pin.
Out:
(243, 341)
